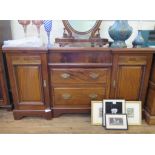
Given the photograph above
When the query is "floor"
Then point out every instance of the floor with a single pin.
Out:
(63, 124)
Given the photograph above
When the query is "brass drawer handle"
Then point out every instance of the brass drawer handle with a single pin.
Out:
(94, 75)
(65, 76)
(133, 59)
(93, 96)
(66, 96)
(44, 83)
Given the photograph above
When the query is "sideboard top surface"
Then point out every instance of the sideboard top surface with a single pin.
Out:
(78, 49)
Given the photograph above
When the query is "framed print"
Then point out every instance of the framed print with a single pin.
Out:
(134, 112)
(113, 107)
(116, 122)
(96, 112)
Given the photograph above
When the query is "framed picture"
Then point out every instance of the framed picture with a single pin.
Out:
(134, 112)
(113, 107)
(96, 112)
(116, 122)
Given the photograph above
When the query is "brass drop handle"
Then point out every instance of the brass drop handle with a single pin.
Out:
(94, 75)
(93, 96)
(44, 83)
(65, 75)
(114, 83)
(66, 96)
(132, 59)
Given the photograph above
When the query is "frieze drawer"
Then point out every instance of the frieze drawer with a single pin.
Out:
(125, 60)
(17, 60)
(80, 57)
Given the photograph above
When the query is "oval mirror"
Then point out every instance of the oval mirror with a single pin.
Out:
(82, 26)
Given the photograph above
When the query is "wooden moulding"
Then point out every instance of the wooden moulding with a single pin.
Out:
(18, 114)
(59, 111)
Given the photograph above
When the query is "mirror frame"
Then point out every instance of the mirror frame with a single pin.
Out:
(68, 39)
(70, 29)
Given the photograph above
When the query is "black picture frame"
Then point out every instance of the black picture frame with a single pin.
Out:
(124, 117)
(118, 105)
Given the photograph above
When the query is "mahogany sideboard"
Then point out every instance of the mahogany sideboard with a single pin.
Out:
(49, 82)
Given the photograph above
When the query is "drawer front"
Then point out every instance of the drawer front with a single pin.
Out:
(125, 60)
(80, 57)
(78, 96)
(17, 60)
(80, 75)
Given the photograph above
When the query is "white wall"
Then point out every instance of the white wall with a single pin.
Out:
(57, 30)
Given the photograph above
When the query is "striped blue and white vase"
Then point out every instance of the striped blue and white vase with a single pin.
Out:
(48, 28)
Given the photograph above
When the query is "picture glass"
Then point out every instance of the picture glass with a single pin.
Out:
(134, 114)
(113, 108)
(116, 121)
(100, 112)
(130, 112)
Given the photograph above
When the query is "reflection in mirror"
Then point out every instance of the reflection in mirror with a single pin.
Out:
(82, 25)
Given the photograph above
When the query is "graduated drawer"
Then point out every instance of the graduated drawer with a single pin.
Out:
(131, 59)
(78, 96)
(80, 75)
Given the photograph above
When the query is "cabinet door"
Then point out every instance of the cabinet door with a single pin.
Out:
(131, 76)
(28, 81)
(129, 82)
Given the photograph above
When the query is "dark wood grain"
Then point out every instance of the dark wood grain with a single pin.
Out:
(78, 96)
(79, 75)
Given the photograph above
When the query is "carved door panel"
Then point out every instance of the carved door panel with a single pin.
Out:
(129, 82)
(29, 84)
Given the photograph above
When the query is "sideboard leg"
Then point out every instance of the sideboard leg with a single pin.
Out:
(48, 115)
(17, 116)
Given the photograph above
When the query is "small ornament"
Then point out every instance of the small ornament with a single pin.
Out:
(119, 32)
(24, 23)
(139, 40)
(38, 24)
(48, 28)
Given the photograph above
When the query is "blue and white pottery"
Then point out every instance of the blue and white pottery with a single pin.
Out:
(119, 32)
(48, 28)
(139, 40)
